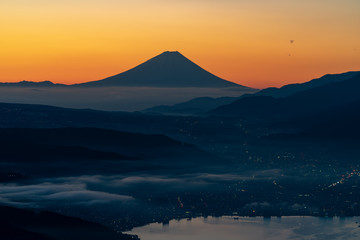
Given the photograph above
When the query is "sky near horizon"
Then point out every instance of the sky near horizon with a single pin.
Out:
(257, 43)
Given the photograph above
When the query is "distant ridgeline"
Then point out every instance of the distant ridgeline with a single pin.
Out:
(31, 84)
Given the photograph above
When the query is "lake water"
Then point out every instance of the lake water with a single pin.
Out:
(256, 228)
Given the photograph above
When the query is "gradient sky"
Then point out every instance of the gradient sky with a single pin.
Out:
(245, 41)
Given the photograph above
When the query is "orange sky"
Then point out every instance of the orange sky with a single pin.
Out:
(245, 41)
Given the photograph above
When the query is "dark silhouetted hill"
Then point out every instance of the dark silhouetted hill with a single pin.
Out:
(18, 224)
(193, 107)
(27, 151)
(340, 123)
(87, 143)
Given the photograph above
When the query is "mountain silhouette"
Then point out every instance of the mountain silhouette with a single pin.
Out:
(314, 100)
(290, 89)
(169, 69)
(205, 104)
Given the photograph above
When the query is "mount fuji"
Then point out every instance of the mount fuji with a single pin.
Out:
(170, 70)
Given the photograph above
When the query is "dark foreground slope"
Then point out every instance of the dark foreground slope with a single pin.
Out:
(17, 224)
(96, 142)
(49, 152)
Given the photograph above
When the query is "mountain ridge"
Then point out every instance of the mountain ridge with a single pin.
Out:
(206, 104)
(293, 88)
(26, 83)
(304, 102)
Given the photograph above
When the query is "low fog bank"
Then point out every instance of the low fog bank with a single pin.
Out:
(124, 201)
(112, 98)
(91, 190)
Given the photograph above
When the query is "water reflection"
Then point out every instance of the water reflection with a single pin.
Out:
(253, 228)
